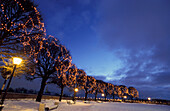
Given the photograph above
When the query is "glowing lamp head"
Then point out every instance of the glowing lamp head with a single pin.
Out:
(102, 94)
(149, 98)
(76, 89)
(17, 60)
(125, 97)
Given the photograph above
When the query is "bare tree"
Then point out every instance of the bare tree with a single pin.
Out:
(51, 58)
(20, 24)
(89, 84)
(116, 91)
(99, 88)
(73, 75)
(60, 78)
(81, 78)
(133, 92)
(21, 30)
(108, 89)
(77, 79)
(124, 91)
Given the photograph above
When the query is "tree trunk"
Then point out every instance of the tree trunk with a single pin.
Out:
(40, 93)
(3, 86)
(74, 93)
(113, 96)
(74, 96)
(86, 94)
(122, 98)
(96, 96)
(105, 94)
(61, 95)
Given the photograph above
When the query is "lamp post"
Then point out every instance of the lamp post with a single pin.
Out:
(75, 91)
(103, 96)
(3, 86)
(16, 61)
(125, 97)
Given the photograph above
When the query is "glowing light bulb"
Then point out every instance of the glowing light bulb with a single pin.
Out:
(76, 89)
(149, 98)
(125, 97)
(17, 60)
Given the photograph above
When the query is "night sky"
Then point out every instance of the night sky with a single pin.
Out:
(119, 41)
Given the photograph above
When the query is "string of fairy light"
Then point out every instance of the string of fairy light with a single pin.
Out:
(14, 26)
(25, 39)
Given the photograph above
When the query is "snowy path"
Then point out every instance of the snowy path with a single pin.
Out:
(30, 105)
(129, 107)
(113, 107)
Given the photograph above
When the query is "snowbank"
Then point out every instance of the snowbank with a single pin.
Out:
(31, 105)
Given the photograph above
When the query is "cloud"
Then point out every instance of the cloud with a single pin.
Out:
(138, 34)
(142, 70)
(100, 77)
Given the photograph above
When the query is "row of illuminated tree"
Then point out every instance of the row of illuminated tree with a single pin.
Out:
(22, 33)
(54, 66)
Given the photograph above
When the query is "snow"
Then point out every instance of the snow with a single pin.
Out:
(31, 105)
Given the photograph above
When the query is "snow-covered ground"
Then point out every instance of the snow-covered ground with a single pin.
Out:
(31, 105)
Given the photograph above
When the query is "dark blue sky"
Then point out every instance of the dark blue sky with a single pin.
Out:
(74, 23)
(119, 41)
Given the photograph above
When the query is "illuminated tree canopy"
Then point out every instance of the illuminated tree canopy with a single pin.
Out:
(133, 92)
(20, 23)
(52, 61)
(89, 84)
(123, 91)
(99, 88)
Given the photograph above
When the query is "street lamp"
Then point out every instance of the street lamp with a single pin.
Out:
(149, 98)
(75, 91)
(125, 97)
(16, 61)
(103, 94)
